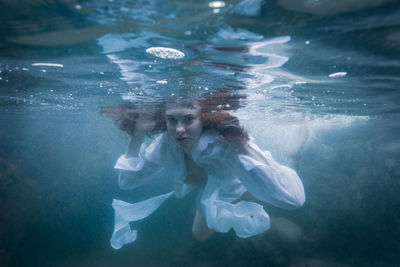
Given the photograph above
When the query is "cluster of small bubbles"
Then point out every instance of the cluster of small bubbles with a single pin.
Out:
(101, 85)
(110, 91)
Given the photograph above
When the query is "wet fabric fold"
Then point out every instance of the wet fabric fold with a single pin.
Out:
(126, 213)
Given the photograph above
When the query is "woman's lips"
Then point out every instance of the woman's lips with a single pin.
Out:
(182, 139)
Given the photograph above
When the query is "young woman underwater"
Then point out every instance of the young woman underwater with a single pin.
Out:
(199, 146)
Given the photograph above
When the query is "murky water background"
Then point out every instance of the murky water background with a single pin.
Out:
(317, 84)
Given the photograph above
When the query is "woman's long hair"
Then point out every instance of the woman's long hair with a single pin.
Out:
(212, 115)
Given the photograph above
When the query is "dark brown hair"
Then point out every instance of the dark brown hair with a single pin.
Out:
(213, 115)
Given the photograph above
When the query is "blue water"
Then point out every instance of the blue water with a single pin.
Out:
(314, 82)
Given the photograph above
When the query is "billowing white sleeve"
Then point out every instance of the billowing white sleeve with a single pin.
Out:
(136, 171)
(267, 180)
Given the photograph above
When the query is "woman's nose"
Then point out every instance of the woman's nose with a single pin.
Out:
(180, 128)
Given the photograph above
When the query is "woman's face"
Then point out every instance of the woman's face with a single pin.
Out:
(184, 124)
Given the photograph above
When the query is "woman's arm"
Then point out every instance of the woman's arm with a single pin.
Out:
(135, 168)
(266, 179)
(134, 144)
(140, 164)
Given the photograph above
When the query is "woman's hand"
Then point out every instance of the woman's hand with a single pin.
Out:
(141, 120)
(138, 119)
(144, 122)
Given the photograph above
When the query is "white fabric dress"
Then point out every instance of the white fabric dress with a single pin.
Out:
(230, 174)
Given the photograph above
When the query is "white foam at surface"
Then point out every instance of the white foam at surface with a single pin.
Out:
(338, 74)
(42, 64)
(165, 52)
(216, 4)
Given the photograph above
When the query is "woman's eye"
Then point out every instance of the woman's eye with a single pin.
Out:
(171, 120)
(189, 119)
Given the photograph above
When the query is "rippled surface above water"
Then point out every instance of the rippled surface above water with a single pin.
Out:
(315, 82)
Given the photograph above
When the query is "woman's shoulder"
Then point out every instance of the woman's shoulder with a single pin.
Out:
(211, 146)
(211, 137)
(208, 137)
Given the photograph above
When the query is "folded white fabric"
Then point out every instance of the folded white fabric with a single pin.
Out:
(126, 213)
(246, 218)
